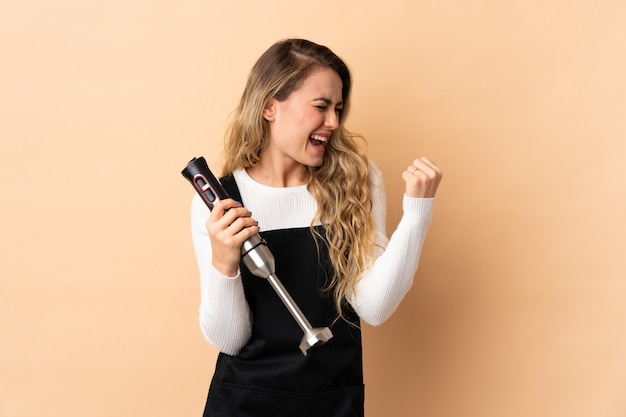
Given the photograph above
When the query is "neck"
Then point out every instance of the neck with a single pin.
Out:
(274, 174)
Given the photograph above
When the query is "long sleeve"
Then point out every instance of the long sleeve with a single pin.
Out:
(225, 319)
(383, 286)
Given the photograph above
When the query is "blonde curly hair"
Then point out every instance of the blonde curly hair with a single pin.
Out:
(340, 185)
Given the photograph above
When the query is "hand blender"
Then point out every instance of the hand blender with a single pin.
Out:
(255, 254)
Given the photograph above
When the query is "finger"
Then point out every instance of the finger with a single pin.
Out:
(234, 234)
(223, 206)
(426, 162)
(421, 171)
(423, 166)
(408, 177)
(427, 167)
(241, 224)
(220, 208)
(229, 224)
(227, 211)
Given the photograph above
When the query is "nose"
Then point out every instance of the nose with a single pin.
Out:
(332, 119)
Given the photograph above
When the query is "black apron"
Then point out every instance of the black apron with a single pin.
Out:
(270, 376)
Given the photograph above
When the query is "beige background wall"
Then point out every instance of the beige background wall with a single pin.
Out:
(519, 308)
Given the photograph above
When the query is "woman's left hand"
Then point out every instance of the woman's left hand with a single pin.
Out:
(422, 178)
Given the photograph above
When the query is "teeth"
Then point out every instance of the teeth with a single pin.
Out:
(320, 138)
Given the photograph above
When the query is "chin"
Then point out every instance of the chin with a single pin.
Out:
(316, 164)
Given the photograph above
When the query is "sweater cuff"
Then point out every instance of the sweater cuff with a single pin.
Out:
(418, 209)
(218, 275)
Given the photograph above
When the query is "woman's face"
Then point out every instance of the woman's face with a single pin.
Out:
(301, 125)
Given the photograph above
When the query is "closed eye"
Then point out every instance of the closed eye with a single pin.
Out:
(338, 110)
(323, 104)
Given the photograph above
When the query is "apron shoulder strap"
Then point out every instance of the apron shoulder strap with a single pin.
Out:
(229, 184)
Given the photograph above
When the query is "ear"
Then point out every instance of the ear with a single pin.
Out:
(269, 109)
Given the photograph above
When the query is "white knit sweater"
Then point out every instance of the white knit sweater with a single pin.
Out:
(225, 318)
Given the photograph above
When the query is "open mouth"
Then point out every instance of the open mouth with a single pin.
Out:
(318, 140)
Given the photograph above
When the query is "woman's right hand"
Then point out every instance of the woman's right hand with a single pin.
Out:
(229, 225)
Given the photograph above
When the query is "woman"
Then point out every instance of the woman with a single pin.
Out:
(311, 192)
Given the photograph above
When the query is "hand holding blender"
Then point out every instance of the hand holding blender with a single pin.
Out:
(255, 254)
